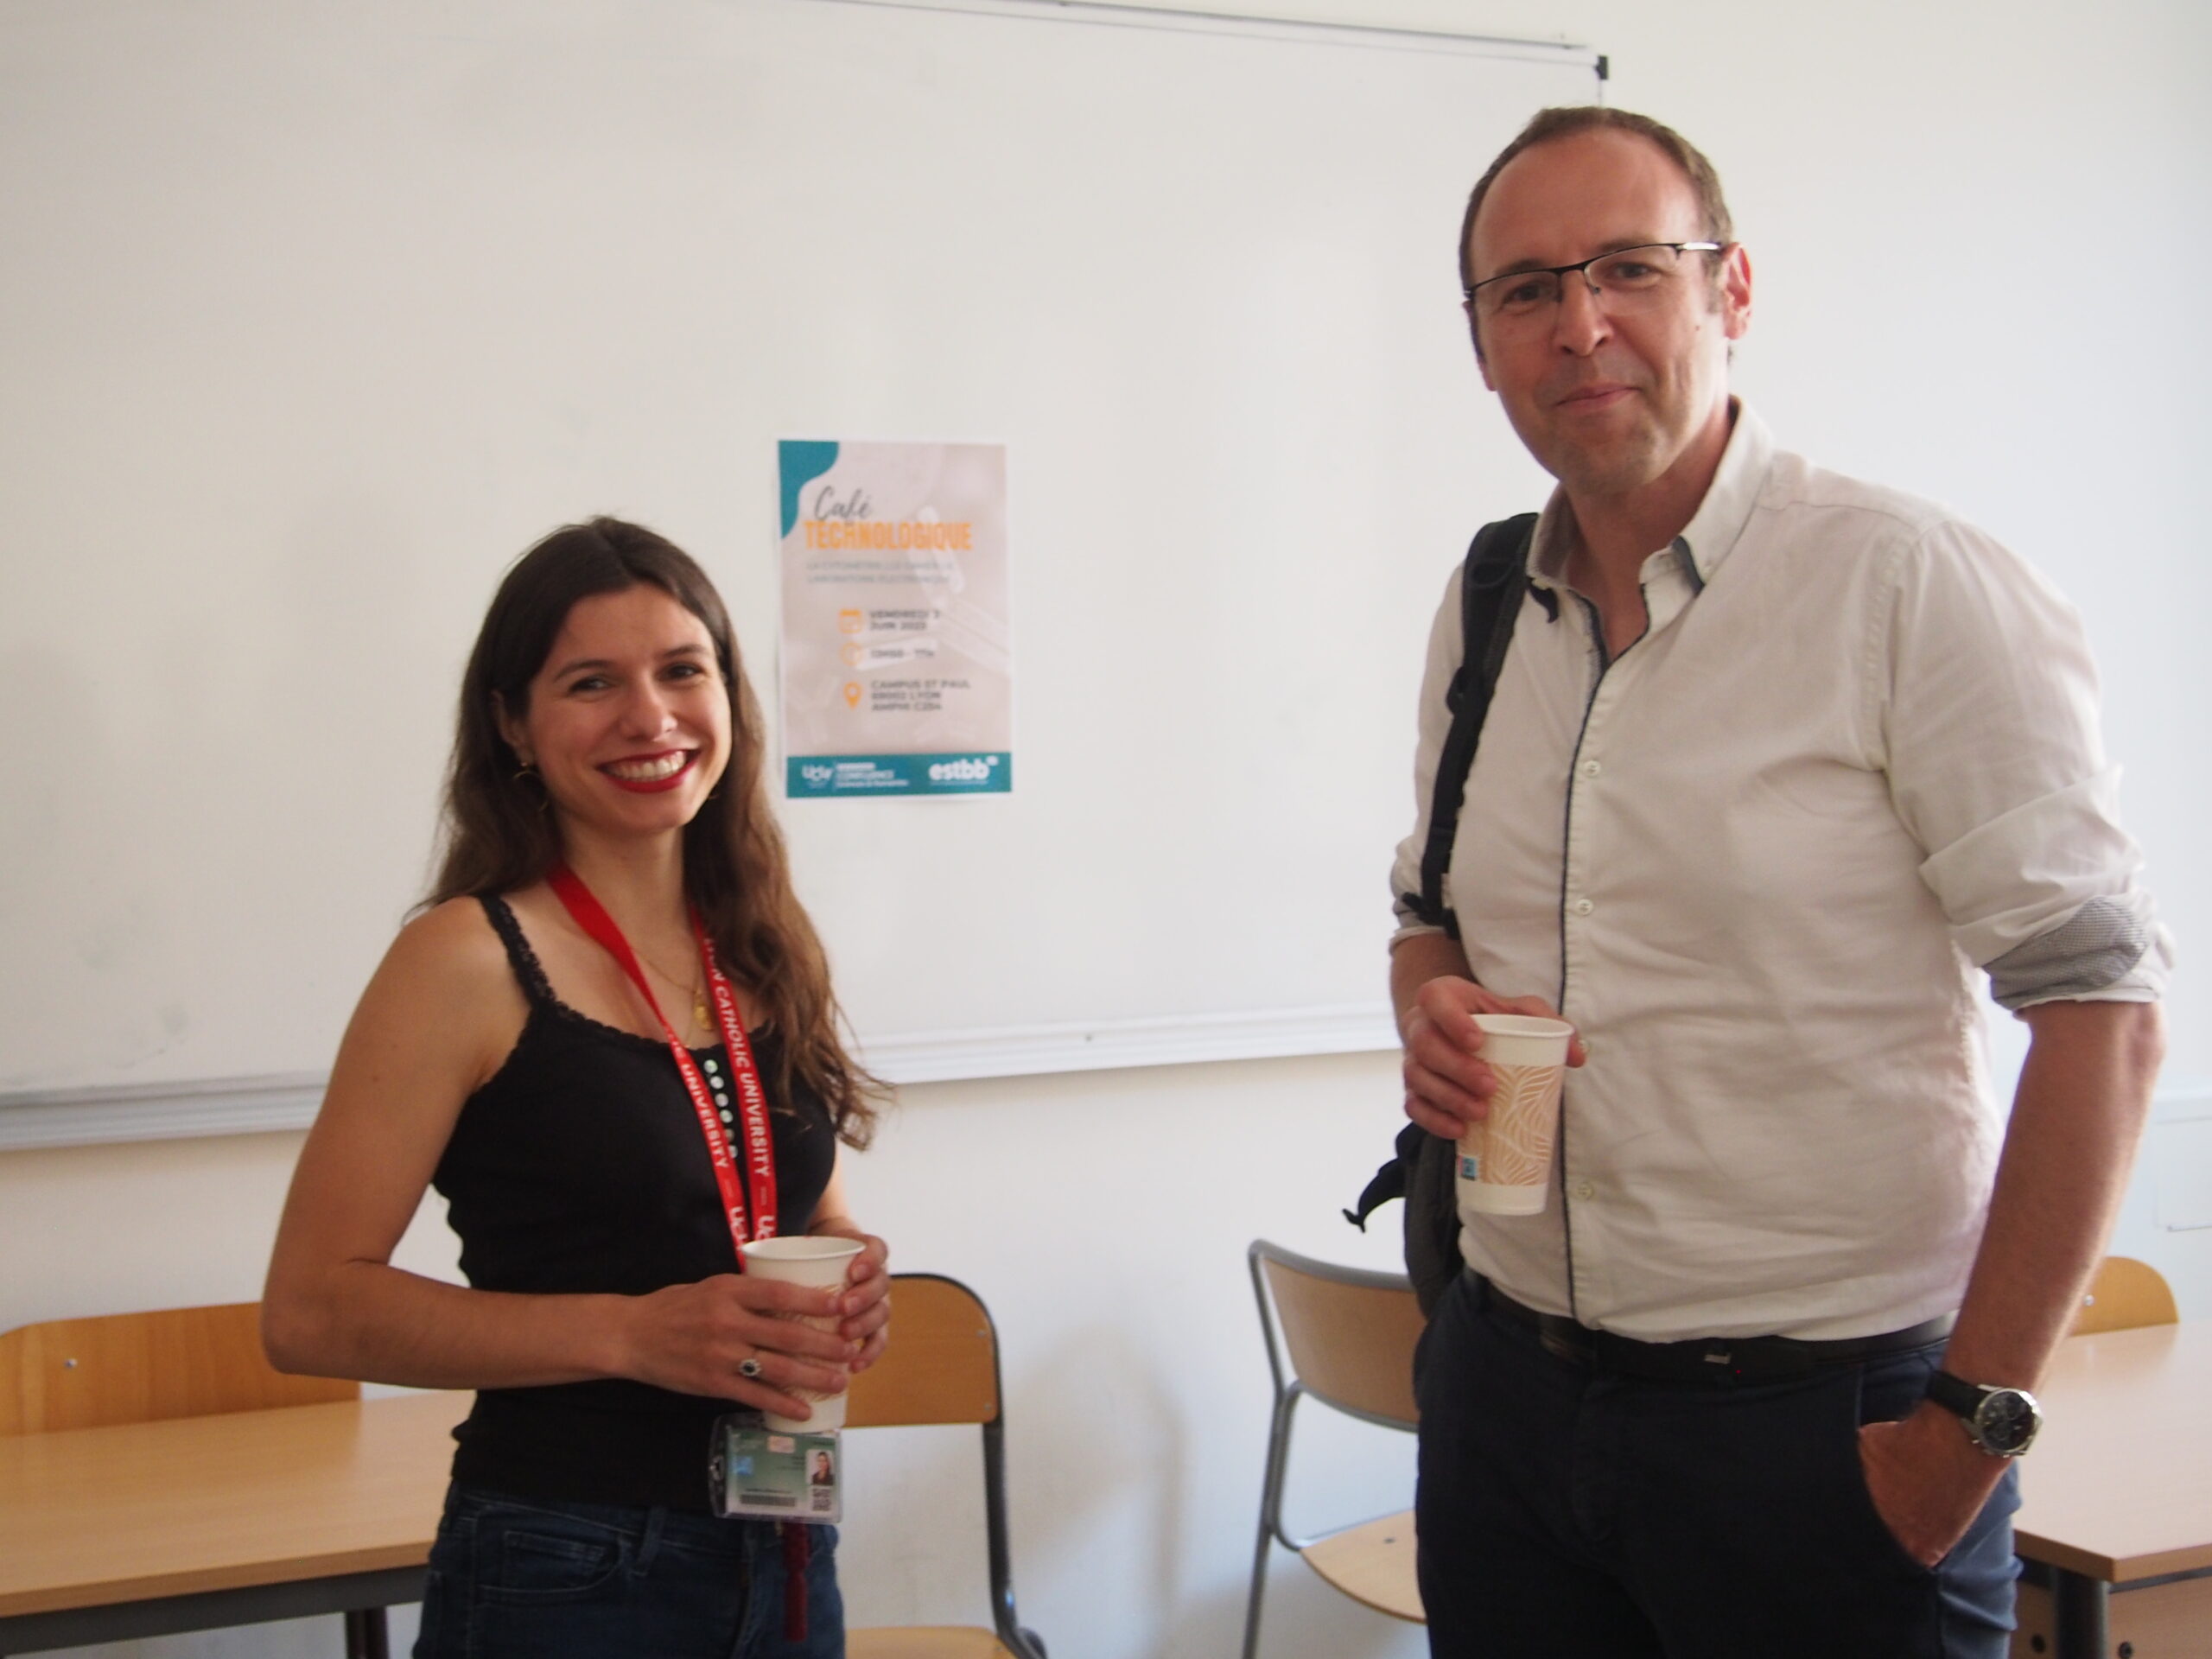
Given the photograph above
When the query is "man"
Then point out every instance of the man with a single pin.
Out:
(1775, 760)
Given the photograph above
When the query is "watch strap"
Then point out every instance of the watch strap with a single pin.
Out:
(1955, 1394)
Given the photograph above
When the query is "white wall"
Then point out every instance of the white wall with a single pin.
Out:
(1980, 221)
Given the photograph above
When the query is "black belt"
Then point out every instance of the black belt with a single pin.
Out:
(1721, 1360)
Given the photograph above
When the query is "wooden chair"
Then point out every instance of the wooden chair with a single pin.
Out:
(942, 1366)
(1351, 1336)
(145, 1368)
(2124, 1294)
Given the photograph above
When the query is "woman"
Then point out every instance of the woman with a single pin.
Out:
(554, 1047)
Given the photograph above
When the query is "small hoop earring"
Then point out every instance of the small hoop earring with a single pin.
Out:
(526, 774)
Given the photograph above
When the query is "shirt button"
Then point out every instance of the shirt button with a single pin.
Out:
(1584, 1190)
(1591, 768)
(1583, 907)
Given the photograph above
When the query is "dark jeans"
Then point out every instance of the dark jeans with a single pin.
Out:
(519, 1579)
(1563, 1513)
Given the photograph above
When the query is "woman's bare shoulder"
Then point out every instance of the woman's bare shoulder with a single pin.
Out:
(443, 1001)
(450, 963)
(451, 941)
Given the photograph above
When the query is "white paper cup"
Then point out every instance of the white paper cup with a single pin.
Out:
(1505, 1161)
(804, 1259)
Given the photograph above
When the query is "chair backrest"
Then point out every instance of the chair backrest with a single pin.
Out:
(1350, 1332)
(2124, 1294)
(143, 1367)
(941, 1364)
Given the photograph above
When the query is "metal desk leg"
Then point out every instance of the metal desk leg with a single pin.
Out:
(366, 1637)
(2078, 1613)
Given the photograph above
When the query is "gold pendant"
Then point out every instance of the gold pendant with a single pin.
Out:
(701, 1012)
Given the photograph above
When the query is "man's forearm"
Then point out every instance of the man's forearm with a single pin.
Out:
(2084, 1095)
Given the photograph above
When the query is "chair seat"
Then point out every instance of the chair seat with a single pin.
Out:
(924, 1642)
(1373, 1564)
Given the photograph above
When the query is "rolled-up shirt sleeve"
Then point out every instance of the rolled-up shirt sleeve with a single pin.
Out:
(1987, 722)
(1445, 651)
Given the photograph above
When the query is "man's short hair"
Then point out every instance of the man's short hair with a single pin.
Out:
(1564, 122)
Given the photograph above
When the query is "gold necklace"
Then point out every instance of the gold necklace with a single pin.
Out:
(703, 1016)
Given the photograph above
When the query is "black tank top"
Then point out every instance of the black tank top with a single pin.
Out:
(580, 1168)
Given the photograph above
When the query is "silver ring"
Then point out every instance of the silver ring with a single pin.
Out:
(749, 1367)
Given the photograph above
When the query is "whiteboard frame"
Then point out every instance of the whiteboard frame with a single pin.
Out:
(1197, 20)
(284, 1101)
(44, 1119)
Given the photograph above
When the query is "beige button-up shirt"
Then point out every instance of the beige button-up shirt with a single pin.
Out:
(1757, 859)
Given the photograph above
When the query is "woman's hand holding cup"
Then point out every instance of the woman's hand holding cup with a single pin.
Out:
(749, 1338)
(865, 1302)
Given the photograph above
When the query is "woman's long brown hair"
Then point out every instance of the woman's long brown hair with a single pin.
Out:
(498, 836)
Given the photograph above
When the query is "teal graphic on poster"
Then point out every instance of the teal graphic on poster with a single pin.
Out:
(899, 774)
(897, 640)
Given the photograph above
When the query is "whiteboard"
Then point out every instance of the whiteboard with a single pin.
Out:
(316, 315)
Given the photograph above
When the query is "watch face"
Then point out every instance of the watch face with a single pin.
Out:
(2006, 1421)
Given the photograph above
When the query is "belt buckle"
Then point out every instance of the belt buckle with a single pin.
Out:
(1752, 1360)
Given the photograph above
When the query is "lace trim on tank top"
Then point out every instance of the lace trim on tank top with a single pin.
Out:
(530, 973)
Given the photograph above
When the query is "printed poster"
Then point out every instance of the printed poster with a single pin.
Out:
(897, 662)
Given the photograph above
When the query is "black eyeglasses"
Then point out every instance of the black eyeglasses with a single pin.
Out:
(1626, 279)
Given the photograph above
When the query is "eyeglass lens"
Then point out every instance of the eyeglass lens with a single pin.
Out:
(1622, 281)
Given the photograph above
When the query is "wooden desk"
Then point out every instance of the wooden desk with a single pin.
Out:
(2117, 1498)
(147, 1529)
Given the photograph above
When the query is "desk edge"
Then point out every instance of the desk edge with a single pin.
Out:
(58, 1598)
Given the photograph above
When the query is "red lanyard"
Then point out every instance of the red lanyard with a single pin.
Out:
(752, 1099)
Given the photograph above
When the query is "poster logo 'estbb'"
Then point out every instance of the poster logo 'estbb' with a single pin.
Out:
(963, 771)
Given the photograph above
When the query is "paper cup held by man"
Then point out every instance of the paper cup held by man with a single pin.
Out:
(1505, 1161)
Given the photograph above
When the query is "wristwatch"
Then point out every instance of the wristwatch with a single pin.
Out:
(2003, 1422)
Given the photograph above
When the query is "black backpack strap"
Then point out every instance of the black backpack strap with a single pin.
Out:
(1492, 585)
(1491, 589)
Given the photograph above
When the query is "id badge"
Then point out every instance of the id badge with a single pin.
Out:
(760, 1473)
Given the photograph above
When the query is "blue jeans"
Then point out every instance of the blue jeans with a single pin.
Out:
(517, 1578)
(1564, 1513)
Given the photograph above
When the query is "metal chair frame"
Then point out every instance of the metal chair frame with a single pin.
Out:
(1289, 1389)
